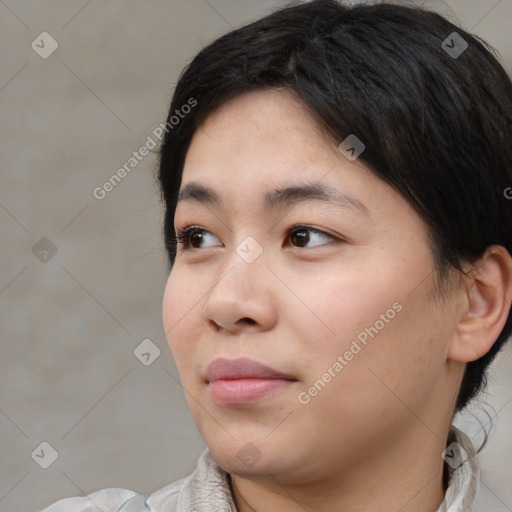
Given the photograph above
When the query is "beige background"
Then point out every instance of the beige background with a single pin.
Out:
(70, 325)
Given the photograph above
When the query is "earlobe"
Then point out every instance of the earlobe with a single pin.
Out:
(487, 299)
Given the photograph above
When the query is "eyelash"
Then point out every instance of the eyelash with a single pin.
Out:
(183, 235)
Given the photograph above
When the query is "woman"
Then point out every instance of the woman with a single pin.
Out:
(339, 235)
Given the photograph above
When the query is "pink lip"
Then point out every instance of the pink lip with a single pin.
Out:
(241, 381)
(242, 368)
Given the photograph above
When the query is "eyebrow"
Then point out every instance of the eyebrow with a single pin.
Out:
(278, 198)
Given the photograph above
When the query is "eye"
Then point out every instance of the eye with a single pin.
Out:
(192, 236)
(300, 235)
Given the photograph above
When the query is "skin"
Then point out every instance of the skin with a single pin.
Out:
(372, 438)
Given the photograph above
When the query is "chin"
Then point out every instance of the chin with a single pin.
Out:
(251, 460)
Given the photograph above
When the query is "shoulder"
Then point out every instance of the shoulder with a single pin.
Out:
(207, 484)
(119, 500)
(107, 500)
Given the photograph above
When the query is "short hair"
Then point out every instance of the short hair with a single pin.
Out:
(437, 125)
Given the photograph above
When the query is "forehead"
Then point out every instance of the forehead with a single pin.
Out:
(272, 119)
(263, 137)
(260, 143)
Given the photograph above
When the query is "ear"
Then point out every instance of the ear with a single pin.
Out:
(485, 305)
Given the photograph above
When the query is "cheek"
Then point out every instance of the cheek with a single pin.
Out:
(180, 313)
(337, 305)
(379, 381)
(170, 308)
(375, 323)
(402, 359)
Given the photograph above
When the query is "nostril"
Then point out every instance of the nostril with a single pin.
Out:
(249, 320)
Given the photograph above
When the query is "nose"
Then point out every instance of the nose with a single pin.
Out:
(242, 298)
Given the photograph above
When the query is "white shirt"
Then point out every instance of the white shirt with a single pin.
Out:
(208, 488)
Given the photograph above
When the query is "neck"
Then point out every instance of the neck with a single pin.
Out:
(410, 479)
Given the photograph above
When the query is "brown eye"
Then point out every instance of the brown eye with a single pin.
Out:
(192, 237)
(195, 238)
(301, 236)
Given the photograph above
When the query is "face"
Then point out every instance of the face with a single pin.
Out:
(332, 293)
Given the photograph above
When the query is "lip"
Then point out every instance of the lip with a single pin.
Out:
(241, 368)
(243, 381)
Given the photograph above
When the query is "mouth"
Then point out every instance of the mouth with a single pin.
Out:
(243, 381)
